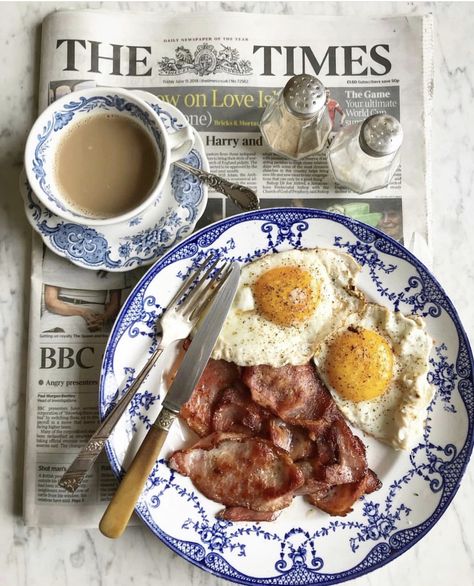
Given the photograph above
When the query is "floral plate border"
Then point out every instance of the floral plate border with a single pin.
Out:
(141, 240)
(300, 549)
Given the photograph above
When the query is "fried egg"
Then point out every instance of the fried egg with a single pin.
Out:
(286, 304)
(376, 369)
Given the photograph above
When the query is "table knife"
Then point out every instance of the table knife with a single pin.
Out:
(120, 508)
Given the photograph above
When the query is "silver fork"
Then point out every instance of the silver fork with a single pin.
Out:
(176, 323)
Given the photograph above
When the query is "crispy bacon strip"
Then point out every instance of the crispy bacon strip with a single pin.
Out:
(294, 440)
(340, 498)
(313, 479)
(294, 393)
(242, 514)
(234, 410)
(338, 459)
(197, 411)
(240, 471)
(372, 482)
(348, 462)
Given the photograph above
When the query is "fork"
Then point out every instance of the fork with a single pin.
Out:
(175, 324)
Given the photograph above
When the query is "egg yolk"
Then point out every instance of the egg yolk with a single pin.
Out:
(285, 295)
(360, 365)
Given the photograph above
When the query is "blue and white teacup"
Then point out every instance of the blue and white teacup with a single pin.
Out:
(56, 120)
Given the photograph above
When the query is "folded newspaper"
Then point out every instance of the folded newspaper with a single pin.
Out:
(220, 70)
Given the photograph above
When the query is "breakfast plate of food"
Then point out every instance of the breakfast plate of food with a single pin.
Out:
(331, 428)
(142, 239)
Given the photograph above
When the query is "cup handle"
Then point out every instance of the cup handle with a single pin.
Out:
(181, 142)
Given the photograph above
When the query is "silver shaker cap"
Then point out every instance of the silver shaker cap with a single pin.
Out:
(381, 135)
(304, 95)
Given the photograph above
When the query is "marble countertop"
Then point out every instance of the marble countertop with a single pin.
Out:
(68, 557)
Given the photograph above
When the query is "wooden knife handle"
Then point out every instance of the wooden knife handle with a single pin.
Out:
(120, 509)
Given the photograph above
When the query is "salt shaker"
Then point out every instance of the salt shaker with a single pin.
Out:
(364, 156)
(296, 123)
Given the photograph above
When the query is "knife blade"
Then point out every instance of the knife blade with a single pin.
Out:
(121, 507)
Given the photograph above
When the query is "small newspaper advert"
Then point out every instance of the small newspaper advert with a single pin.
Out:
(220, 70)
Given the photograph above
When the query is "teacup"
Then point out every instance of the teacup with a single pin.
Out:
(78, 108)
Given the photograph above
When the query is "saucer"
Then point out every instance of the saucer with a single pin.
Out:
(141, 240)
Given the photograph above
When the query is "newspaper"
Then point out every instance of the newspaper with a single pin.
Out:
(220, 70)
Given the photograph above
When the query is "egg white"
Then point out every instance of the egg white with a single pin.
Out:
(397, 417)
(248, 338)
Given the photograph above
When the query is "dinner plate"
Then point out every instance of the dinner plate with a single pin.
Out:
(304, 545)
(141, 240)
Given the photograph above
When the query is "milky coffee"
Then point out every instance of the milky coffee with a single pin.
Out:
(106, 165)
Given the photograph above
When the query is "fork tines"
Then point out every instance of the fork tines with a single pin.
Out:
(193, 276)
(200, 287)
(210, 289)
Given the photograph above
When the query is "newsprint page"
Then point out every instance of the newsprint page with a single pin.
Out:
(220, 70)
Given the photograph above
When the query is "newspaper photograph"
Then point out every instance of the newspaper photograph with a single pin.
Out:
(221, 70)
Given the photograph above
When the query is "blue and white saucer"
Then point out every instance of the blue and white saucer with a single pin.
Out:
(137, 242)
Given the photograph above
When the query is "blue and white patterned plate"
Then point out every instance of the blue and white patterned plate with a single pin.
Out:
(304, 545)
(140, 241)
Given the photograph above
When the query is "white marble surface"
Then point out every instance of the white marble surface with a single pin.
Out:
(68, 557)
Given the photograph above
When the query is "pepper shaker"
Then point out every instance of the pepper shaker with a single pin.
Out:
(296, 123)
(364, 156)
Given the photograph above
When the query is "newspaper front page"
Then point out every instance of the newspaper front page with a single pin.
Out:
(220, 70)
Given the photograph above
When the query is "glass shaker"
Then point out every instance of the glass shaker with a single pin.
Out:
(364, 156)
(296, 123)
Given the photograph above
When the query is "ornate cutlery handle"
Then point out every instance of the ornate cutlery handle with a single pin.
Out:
(243, 197)
(120, 509)
(74, 475)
